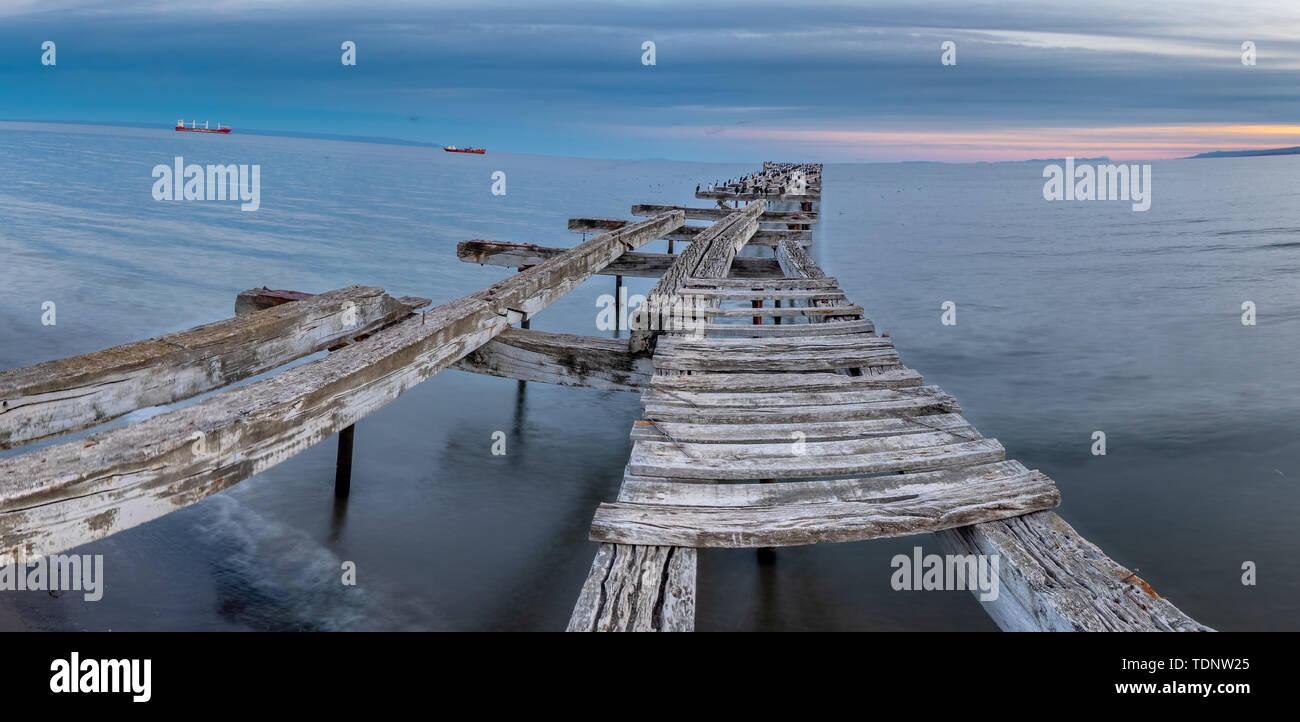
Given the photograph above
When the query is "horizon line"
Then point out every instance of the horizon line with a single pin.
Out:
(1227, 149)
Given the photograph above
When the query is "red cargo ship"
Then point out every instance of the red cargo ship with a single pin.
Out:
(471, 149)
(194, 127)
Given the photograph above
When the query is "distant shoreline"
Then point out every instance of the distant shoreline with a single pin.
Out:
(384, 140)
(1293, 150)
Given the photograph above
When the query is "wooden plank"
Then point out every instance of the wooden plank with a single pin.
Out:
(71, 394)
(655, 315)
(914, 407)
(561, 358)
(687, 234)
(773, 346)
(785, 312)
(850, 457)
(811, 353)
(732, 294)
(717, 214)
(928, 508)
(259, 299)
(61, 496)
(636, 265)
(753, 283)
(877, 489)
(795, 261)
(701, 433)
(778, 382)
(716, 262)
(787, 330)
(1052, 579)
(928, 395)
(637, 589)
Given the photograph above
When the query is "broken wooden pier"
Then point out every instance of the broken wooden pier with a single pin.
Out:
(773, 414)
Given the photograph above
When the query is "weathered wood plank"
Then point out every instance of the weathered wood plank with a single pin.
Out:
(687, 431)
(795, 261)
(65, 495)
(687, 234)
(787, 330)
(733, 294)
(258, 299)
(716, 262)
(924, 509)
(717, 214)
(928, 395)
(877, 489)
(1052, 579)
(755, 283)
(634, 265)
(915, 407)
(785, 312)
(810, 353)
(779, 382)
(637, 589)
(655, 316)
(774, 346)
(71, 394)
(561, 358)
(741, 462)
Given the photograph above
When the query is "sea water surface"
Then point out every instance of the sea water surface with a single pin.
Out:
(1072, 317)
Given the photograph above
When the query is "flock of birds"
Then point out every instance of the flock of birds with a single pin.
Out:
(774, 179)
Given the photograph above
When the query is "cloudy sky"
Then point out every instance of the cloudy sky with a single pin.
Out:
(836, 81)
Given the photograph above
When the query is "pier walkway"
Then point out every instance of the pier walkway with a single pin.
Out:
(773, 414)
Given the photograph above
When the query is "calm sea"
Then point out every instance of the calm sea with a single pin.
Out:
(1071, 318)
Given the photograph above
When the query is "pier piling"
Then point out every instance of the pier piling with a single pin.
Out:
(343, 467)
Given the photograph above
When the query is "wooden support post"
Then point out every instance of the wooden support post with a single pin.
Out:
(758, 320)
(777, 319)
(618, 307)
(343, 469)
(766, 555)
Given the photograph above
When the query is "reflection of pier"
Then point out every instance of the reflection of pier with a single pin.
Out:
(779, 418)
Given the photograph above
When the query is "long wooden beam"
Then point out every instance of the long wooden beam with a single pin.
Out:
(58, 397)
(1052, 579)
(728, 234)
(526, 355)
(637, 589)
(561, 358)
(637, 265)
(65, 495)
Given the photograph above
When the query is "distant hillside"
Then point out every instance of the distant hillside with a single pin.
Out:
(1293, 150)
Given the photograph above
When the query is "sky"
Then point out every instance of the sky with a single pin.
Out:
(732, 81)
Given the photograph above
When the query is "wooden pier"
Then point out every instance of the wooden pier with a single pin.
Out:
(773, 414)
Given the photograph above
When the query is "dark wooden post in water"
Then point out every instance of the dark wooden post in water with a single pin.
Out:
(343, 469)
(618, 305)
